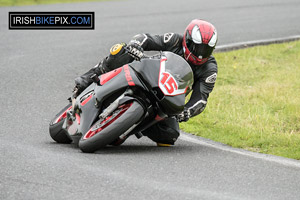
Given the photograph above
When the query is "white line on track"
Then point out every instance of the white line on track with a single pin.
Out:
(209, 143)
(241, 45)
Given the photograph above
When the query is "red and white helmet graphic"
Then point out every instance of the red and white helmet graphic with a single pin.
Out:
(199, 41)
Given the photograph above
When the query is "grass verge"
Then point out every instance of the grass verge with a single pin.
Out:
(36, 2)
(256, 101)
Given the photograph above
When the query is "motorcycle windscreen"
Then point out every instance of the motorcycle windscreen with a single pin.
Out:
(175, 81)
(171, 75)
(175, 75)
(170, 72)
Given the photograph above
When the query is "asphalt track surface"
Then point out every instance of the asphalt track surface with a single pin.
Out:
(37, 69)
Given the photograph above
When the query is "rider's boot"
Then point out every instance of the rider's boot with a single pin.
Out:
(163, 145)
(164, 133)
(85, 80)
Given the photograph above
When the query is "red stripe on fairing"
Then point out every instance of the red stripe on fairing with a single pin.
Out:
(86, 100)
(77, 118)
(107, 76)
(128, 76)
(186, 89)
(161, 60)
(62, 116)
(158, 118)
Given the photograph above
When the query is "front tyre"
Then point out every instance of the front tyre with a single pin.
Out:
(107, 130)
(55, 127)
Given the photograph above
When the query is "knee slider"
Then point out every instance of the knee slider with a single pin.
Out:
(117, 49)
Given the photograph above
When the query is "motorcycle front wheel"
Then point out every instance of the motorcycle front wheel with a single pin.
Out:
(55, 127)
(107, 130)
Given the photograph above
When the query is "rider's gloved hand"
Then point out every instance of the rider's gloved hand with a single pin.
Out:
(184, 116)
(135, 50)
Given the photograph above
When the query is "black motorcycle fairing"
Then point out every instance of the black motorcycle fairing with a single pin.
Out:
(92, 100)
(169, 77)
(118, 84)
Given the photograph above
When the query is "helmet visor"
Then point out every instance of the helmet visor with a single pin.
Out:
(199, 50)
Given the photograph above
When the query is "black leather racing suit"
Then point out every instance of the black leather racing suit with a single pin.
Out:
(205, 76)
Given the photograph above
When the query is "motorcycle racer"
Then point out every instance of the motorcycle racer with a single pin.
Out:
(195, 46)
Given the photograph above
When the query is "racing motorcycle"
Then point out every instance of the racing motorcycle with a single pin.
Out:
(124, 102)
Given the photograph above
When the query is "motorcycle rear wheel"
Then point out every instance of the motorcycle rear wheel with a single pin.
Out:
(55, 127)
(107, 130)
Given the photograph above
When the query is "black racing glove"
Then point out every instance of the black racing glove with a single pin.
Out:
(184, 116)
(135, 51)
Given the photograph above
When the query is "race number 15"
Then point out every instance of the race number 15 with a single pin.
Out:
(168, 82)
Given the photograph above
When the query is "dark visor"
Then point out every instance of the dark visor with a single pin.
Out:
(199, 49)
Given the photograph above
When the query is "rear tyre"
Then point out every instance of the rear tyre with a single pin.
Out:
(106, 131)
(55, 127)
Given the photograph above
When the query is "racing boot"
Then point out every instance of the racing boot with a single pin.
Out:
(163, 145)
(85, 80)
(164, 133)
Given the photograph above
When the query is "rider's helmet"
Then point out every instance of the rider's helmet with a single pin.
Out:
(199, 41)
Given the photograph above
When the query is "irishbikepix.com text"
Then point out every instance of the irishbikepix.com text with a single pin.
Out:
(51, 20)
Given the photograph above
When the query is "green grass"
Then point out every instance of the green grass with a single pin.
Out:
(255, 104)
(36, 2)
